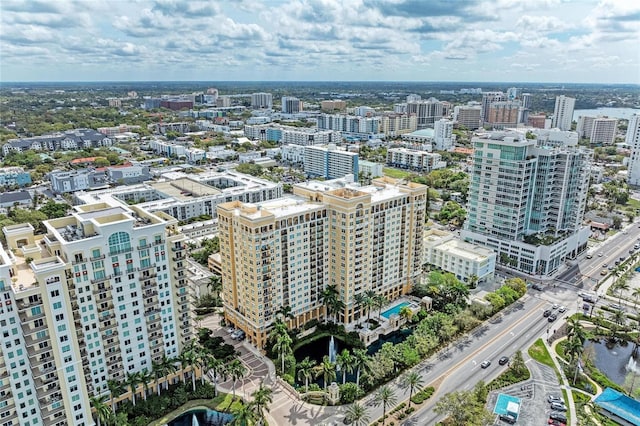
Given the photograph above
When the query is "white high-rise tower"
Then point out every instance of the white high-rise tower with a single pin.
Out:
(563, 112)
(633, 140)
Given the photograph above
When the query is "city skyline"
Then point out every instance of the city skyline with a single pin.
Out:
(365, 40)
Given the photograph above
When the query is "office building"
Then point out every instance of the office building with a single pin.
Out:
(292, 135)
(527, 201)
(329, 162)
(632, 139)
(14, 176)
(261, 100)
(101, 294)
(421, 161)
(599, 130)
(563, 112)
(291, 105)
(464, 260)
(487, 99)
(287, 251)
(467, 116)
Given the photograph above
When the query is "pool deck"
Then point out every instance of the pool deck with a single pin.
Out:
(386, 324)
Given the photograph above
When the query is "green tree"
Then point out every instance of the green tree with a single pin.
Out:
(357, 415)
(413, 381)
(115, 389)
(215, 285)
(386, 397)
(327, 370)
(283, 348)
(345, 363)
(262, 397)
(406, 313)
(463, 409)
(380, 301)
(236, 370)
(133, 379)
(305, 371)
(103, 412)
(244, 415)
(360, 362)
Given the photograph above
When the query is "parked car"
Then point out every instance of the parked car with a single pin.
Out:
(556, 422)
(508, 418)
(558, 406)
(503, 360)
(558, 416)
(552, 318)
(485, 364)
(554, 398)
(546, 313)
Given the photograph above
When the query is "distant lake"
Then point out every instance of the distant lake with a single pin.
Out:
(625, 113)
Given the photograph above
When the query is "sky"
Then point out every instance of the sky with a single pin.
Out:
(579, 41)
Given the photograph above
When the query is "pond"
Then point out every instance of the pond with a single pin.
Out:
(615, 360)
(394, 337)
(202, 417)
(319, 348)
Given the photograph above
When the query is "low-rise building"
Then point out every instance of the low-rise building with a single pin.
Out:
(447, 252)
(61, 141)
(14, 176)
(414, 160)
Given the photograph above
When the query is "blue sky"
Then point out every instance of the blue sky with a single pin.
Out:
(578, 41)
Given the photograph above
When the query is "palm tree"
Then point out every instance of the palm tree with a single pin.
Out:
(406, 313)
(574, 349)
(243, 416)
(345, 363)
(145, 378)
(327, 370)
(218, 366)
(357, 415)
(359, 301)
(379, 301)
(413, 381)
(305, 371)
(215, 285)
(237, 371)
(360, 362)
(132, 381)
(115, 389)
(369, 302)
(636, 294)
(330, 298)
(284, 313)
(283, 348)
(385, 396)
(158, 371)
(619, 317)
(103, 412)
(621, 286)
(473, 281)
(262, 397)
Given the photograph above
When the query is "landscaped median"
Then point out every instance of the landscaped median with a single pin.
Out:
(403, 410)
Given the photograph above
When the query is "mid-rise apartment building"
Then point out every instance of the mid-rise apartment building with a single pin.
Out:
(285, 252)
(393, 125)
(330, 162)
(101, 294)
(427, 112)
(333, 105)
(503, 114)
(487, 99)
(414, 160)
(632, 139)
(443, 135)
(291, 105)
(14, 176)
(292, 135)
(467, 116)
(563, 112)
(527, 201)
(350, 125)
(599, 130)
(261, 100)
(61, 141)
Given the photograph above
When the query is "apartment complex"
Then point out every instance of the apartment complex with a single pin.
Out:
(398, 124)
(599, 130)
(333, 105)
(414, 160)
(292, 135)
(467, 116)
(103, 293)
(350, 125)
(330, 162)
(261, 100)
(633, 140)
(14, 176)
(291, 105)
(427, 112)
(285, 252)
(487, 99)
(527, 201)
(68, 140)
(503, 114)
(563, 112)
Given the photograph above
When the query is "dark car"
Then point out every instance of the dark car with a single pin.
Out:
(507, 418)
(485, 364)
(537, 287)
(552, 318)
(546, 313)
(503, 360)
(557, 416)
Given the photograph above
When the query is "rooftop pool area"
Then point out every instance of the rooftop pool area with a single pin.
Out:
(396, 309)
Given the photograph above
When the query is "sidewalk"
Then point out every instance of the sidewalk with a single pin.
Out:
(565, 382)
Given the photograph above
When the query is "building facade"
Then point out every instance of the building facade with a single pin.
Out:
(393, 125)
(563, 112)
(291, 105)
(105, 295)
(14, 176)
(63, 141)
(413, 160)
(261, 100)
(443, 135)
(330, 162)
(599, 130)
(467, 116)
(287, 251)
(632, 139)
(527, 201)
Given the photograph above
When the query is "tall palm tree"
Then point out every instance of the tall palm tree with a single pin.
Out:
(369, 302)
(357, 415)
(329, 297)
(305, 371)
(284, 313)
(237, 371)
(636, 295)
(574, 349)
(158, 371)
(115, 389)
(360, 302)
(132, 381)
(283, 348)
(380, 301)
(360, 362)
(619, 317)
(413, 381)
(262, 397)
(327, 370)
(217, 366)
(621, 286)
(103, 412)
(576, 330)
(215, 285)
(345, 363)
(145, 377)
(385, 396)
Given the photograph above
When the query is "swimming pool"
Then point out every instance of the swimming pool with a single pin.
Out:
(394, 310)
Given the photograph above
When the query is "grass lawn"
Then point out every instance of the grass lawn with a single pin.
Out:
(539, 352)
(395, 173)
(633, 203)
(222, 402)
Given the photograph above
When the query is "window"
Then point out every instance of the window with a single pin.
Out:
(119, 242)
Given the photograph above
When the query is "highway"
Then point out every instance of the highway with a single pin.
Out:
(458, 368)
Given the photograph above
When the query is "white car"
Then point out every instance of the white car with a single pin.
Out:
(562, 308)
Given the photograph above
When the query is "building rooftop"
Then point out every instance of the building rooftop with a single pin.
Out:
(185, 188)
(620, 405)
